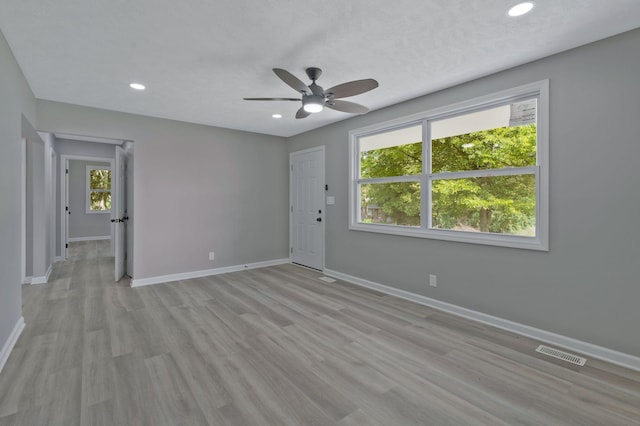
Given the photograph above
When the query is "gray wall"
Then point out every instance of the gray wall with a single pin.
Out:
(586, 286)
(83, 148)
(81, 223)
(16, 100)
(197, 189)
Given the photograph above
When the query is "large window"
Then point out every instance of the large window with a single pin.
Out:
(98, 184)
(472, 172)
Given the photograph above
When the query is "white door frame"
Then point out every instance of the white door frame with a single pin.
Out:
(64, 189)
(324, 215)
(23, 210)
(52, 208)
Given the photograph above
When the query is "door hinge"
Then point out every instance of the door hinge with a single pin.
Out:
(66, 171)
(67, 208)
(291, 249)
(66, 246)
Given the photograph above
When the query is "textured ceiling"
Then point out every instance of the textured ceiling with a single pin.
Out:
(199, 58)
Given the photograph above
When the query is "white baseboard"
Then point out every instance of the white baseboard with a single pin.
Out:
(205, 273)
(58, 259)
(589, 349)
(43, 279)
(103, 237)
(11, 342)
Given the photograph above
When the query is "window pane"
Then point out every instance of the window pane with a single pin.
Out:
(394, 153)
(100, 201)
(495, 138)
(395, 203)
(498, 204)
(100, 179)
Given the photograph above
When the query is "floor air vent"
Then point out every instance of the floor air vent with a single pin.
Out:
(573, 359)
(327, 279)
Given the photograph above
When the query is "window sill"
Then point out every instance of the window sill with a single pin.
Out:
(510, 241)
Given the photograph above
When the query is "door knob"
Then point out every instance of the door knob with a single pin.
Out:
(319, 219)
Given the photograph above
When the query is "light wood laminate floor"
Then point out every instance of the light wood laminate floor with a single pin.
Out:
(277, 346)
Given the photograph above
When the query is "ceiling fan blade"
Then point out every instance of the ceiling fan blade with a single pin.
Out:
(352, 88)
(272, 99)
(292, 81)
(349, 107)
(302, 113)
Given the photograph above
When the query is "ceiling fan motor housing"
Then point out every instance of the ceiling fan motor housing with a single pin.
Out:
(313, 73)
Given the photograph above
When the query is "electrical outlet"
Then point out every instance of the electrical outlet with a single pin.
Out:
(212, 255)
(433, 280)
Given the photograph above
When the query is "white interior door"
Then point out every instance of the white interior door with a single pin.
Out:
(307, 208)
(119, 217)
(129, 222)
(52, 208)
(65, 232)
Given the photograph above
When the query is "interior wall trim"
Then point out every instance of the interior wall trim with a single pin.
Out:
(43, 279)
(586, 348)
(11, 342)
(101, 237)
(205, 273)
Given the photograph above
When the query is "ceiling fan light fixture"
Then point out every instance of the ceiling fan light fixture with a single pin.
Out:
(313, 103)
(315, 98)
(313, 107)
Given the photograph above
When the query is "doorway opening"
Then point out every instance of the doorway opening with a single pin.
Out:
(75, 211)
(96, 193)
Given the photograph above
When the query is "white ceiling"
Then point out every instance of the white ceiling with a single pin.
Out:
(199, 58)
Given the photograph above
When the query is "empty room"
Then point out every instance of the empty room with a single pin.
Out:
(328, 213)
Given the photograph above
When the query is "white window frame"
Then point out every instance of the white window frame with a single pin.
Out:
(539, 90)
(88, 189)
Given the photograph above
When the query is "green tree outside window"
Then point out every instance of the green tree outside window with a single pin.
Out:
(499, 204)
(100, 189)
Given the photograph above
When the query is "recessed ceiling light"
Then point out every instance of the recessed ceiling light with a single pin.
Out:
(277, 115)
(137, 86)
(521, 9)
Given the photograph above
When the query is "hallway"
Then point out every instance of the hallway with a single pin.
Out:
(90, 250)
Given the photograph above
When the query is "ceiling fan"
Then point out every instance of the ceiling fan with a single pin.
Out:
(315, 98)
